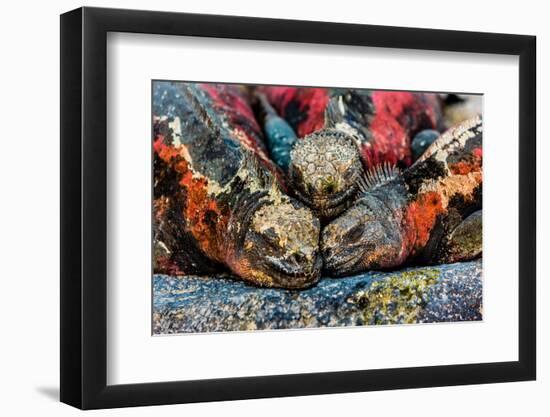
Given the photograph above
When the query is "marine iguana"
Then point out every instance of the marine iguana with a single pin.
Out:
(342, 131)
(429, 213)
(218, 202)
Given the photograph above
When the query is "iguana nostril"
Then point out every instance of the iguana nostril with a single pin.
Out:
(297, 258)
(327, 252)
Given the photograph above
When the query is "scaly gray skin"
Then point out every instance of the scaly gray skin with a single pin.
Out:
(430, 213)
(324, 172)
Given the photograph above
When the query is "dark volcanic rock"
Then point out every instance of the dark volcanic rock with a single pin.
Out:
(442, 293)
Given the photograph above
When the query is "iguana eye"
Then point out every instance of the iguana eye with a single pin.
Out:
(269, 238)
(355, 232)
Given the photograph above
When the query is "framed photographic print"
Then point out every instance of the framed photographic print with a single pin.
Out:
(256, 208)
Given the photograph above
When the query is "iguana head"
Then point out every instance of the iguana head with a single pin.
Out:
(369, 234)
(274, 239)
(362, 238)
(324, 170)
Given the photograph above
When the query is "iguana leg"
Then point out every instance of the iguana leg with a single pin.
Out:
(465, 242)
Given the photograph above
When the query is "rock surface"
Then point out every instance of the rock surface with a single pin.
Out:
(442, 293)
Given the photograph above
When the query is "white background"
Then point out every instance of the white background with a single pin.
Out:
(134, 356)
(30, 196)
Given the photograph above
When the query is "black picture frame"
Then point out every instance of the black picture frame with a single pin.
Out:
(84, 207)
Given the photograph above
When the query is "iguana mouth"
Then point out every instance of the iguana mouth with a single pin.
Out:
(328, 207)
(274, 240)
(327, 201)
(296, 276)
(343, 260)
(285, 267)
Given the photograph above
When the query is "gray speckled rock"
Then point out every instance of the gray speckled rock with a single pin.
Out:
(414, 295)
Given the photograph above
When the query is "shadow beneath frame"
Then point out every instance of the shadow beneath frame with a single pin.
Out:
(50, 392)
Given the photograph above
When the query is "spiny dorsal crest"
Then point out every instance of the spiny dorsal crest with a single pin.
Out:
(191, 95)
(255, 168)
(335, 111)
(377, 176)
(452, 138)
